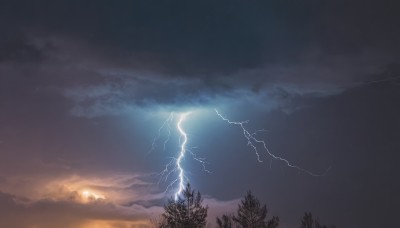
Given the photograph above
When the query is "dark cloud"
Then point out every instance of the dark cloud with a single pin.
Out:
(19, 48)
(321, 77)
(172, 52)
(217, 37)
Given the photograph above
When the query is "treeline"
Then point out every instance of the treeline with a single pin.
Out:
(188, 212)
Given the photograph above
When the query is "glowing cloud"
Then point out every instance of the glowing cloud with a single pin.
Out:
(88, 195)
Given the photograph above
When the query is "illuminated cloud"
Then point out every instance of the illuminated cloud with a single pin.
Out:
(78, 200)
(82, 97)
(108, 200)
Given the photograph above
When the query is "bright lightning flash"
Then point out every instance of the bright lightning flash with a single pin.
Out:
(252, 141)
(183, 139)
(175, 165)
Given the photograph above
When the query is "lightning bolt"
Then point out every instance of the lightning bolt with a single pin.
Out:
(182, 153)
(252, 141)
(175, 164)
(166, 124)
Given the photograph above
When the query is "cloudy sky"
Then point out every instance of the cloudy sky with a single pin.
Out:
(86, 85)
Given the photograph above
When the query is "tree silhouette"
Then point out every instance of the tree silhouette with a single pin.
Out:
(273, 223)
(186, 212)
(251, 214)
(158, 222)
(309, 222)
(225, 221)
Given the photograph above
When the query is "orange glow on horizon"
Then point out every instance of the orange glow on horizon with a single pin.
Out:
(90, 195)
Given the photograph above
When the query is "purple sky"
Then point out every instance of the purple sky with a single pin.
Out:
(85, 87)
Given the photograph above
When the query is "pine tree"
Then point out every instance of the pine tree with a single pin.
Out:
(225, 221)
(185, 212)
(252, 215)
(309, 222)
(273, 223)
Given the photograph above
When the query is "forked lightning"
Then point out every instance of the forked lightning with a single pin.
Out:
(176, 166)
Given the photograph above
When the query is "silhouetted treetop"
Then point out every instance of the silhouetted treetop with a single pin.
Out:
(309, 222)
(185, 212)
(252, 215)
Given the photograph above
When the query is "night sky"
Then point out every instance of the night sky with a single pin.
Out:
(86, 85)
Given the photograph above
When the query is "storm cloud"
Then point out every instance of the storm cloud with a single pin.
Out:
(85, 87)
